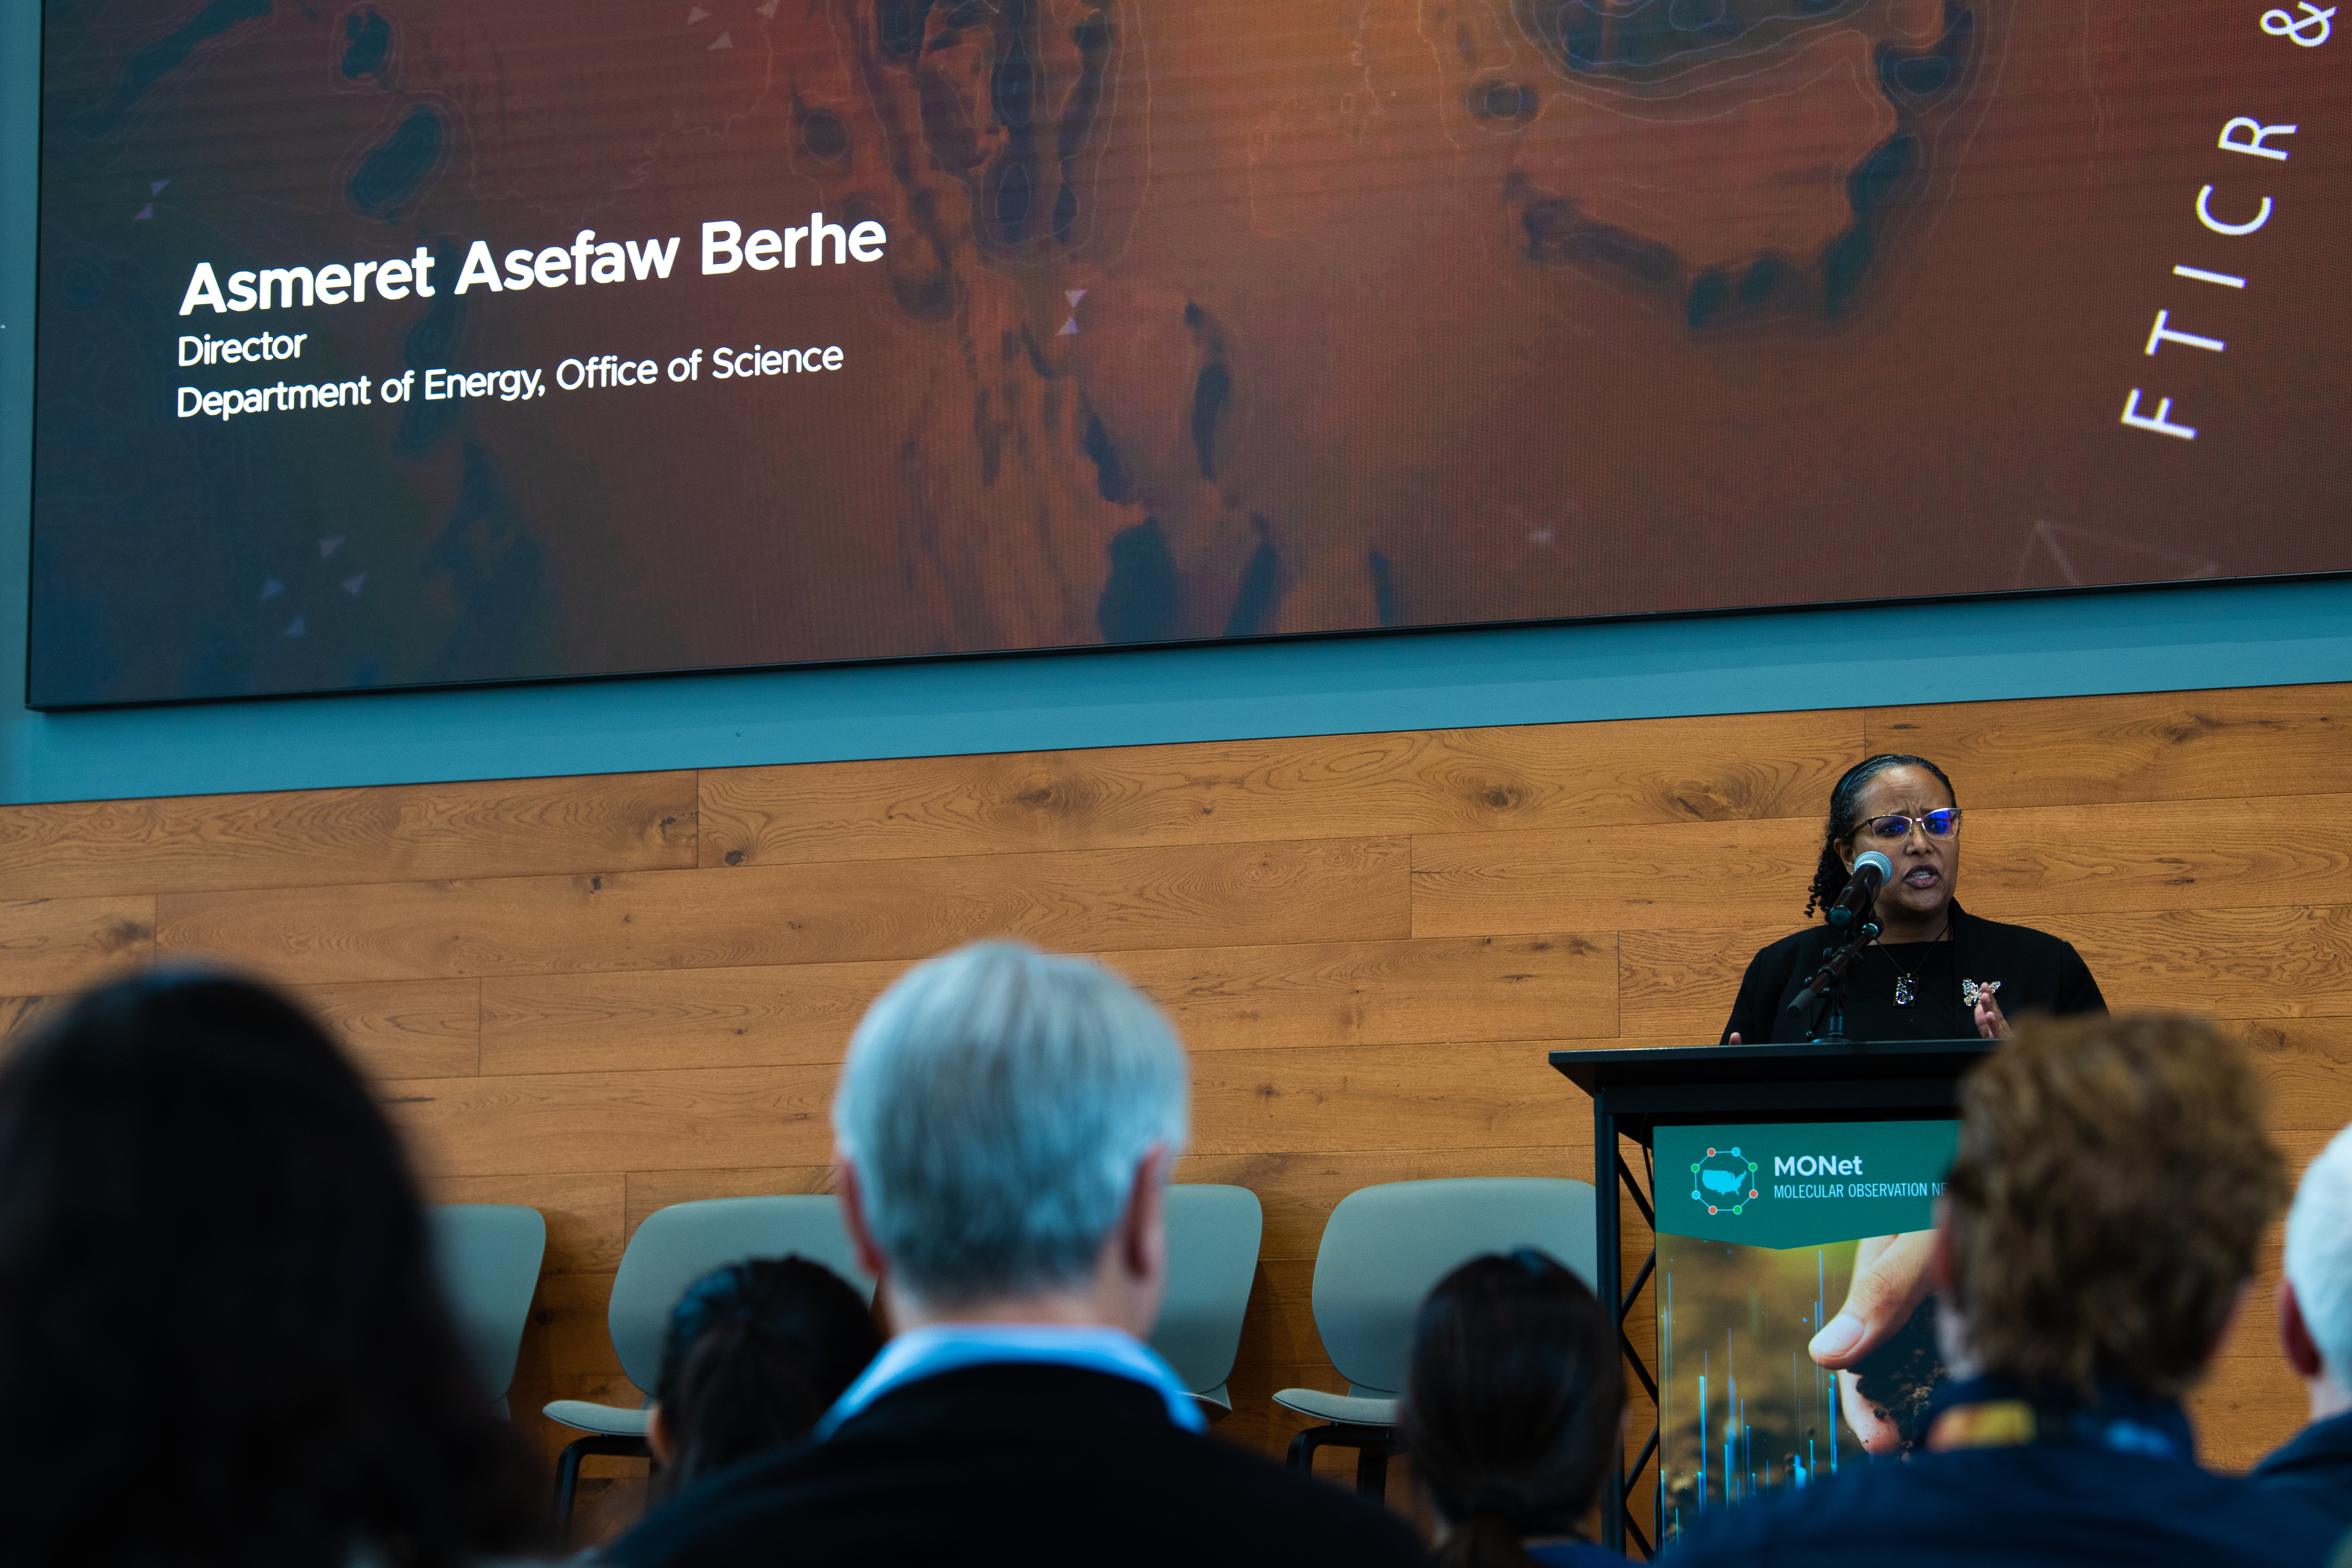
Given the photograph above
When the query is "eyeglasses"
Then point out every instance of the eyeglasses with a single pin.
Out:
(1894, 826)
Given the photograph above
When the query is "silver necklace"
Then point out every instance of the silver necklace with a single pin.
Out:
(1906, 993)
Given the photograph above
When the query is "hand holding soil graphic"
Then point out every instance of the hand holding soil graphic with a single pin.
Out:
(1882, 1343)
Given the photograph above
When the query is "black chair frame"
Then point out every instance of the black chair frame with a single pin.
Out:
(567, 1471)
(1373, 1445)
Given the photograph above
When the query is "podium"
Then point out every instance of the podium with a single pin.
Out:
(1636, 1092)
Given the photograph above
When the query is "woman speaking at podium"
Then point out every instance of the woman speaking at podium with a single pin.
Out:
(1937, 973)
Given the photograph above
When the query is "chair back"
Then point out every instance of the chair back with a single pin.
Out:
(488, 1256)
(678, 1245)
(1384, 1248)
(1213, 1236)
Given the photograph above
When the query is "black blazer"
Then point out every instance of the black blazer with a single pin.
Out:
(2038, 974)
(1041, 1465)
(2317, 1466)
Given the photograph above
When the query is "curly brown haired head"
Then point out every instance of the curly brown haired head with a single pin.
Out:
(2112, 1185)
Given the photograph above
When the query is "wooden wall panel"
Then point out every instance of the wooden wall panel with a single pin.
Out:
(599, 996)
(61, 944)
(2087, 751)
(617, 822)
(1314, 890)
(1544, 775)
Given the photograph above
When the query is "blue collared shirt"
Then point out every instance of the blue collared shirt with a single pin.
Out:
(950, 1347)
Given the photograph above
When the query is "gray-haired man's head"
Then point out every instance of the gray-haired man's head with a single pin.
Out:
(995, 1105)
(2319, 1262)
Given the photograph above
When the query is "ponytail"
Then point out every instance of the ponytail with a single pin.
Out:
(1511, 1405)
(1484, 1539)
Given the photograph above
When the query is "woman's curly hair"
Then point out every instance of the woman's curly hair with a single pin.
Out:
(2108, 1199)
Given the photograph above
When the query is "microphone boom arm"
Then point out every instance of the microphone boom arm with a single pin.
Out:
(1821, 1004)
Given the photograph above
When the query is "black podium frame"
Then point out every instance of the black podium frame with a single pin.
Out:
(1635, 1092)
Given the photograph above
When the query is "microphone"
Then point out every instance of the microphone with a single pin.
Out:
(1872, 871)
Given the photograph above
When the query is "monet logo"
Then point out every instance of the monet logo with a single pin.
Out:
(1723, 1180)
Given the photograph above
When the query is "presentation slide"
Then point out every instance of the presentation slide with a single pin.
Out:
(1755, 1254)
(428, 341)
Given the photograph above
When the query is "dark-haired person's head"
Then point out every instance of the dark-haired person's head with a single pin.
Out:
(1903, 807)
(1513, 1406)
(222, 1339)
(756, 1351)
(2103, 1211)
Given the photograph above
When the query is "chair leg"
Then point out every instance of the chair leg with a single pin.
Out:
(567, 1472)
(1372, 1471)
(1303, 1446)
(567, 1482)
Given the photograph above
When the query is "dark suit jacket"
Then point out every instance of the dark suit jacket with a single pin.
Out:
(2038, 974)
(2043, 1506)
(2317, 1466)
(1041, 1465)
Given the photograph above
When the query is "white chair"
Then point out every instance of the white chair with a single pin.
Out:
(488, 1256)
(673, 1249)
(1213, 1236)
(1382, 1250)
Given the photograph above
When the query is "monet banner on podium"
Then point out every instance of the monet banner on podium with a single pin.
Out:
(1761, 1227)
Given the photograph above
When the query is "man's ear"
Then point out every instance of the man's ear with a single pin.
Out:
(852, 1216)
(2295, 1336)
(1143, 1229)
(658, 1434)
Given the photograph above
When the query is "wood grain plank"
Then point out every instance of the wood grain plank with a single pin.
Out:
(51, 945)
(515, 827)
(1612, 879)
(2306, 1068)
(1548, 986)
(1299, 1190)
(571, 1311)
(651, 1190)
(1541, 775)
(1386, 1097)
(1332, 890)
(2200, 745)
(751, 1016)
(2280, 963)
(1339, 1098)
(1683, 983)
(395, 1028)
(2023, 865)
(578, 1122)
(584, 1213)
(2245, 1408)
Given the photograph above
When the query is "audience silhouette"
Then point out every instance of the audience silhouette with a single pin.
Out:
(1005, 1124)
(2315, 1314)
(756, 1353)
(221, 1337)
(1513, 1410)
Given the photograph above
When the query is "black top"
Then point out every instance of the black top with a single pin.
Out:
(2317, 1466)
(1040, 1465)
(2038, 974)
(2075, 1504)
